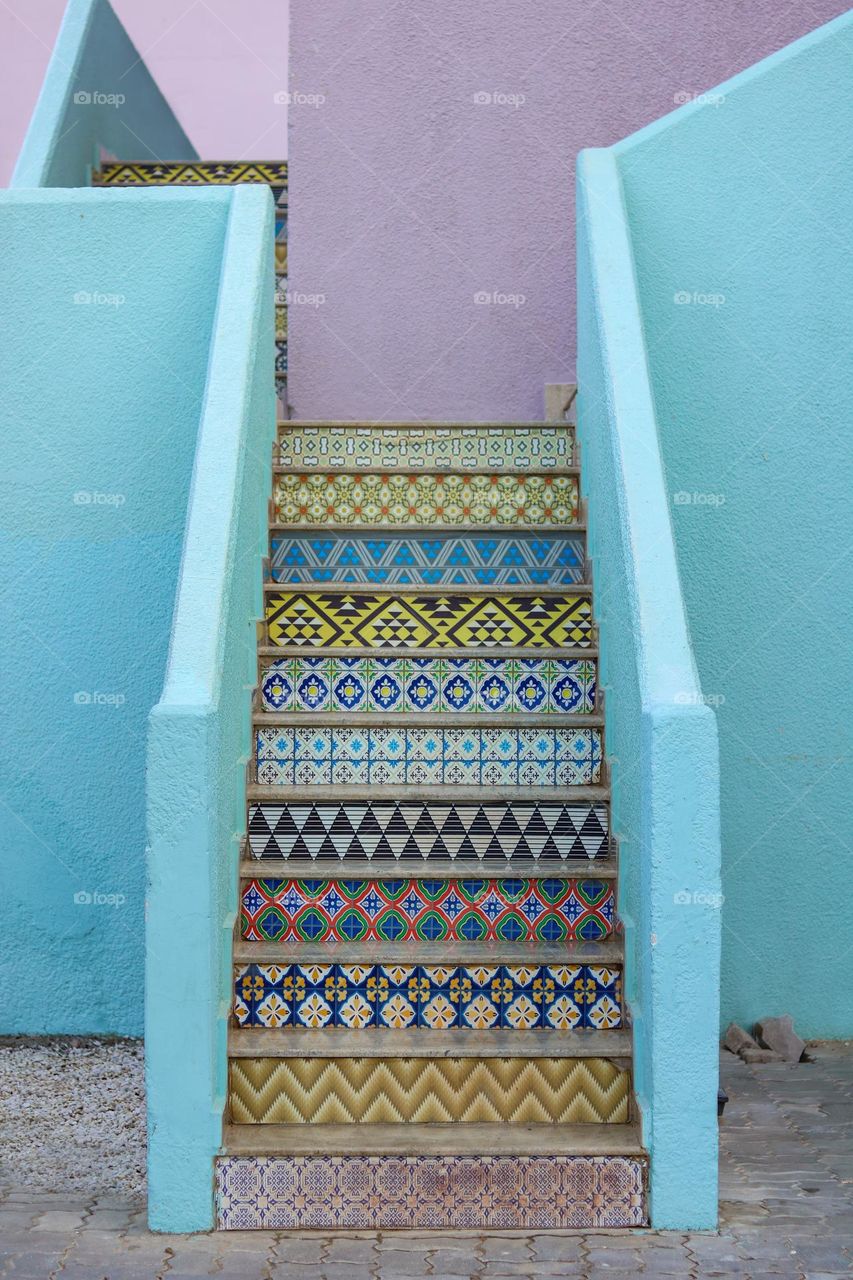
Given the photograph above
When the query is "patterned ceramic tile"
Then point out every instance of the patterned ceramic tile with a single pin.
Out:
(471, 620)
(431, 559)
(271, 172)
(398, 829)
(317, 497)
(499, 685)
(467, 910)
(457, 757)
(428, 1091)
(394, 996)
(485, 1192)
(450, 446)
(281, 357)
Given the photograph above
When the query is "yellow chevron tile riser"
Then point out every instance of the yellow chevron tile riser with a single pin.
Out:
(428, 1091)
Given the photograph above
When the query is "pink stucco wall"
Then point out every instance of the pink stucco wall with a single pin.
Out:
(409, 197)
(219, 65)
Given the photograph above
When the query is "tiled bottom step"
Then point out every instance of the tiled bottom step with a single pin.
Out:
(442, 997)
(428, 618)
(517, 909)
(431, 1177)
(541, 559)
(505, 756)
(417, 1090)
(523, 446)
(417, 829)
(416, 684)
(436, 499)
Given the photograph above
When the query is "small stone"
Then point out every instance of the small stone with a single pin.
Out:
(760, 1055)
(779, 1035)
(737, 1039)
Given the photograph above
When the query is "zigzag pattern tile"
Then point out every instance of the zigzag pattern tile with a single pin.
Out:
(457, 757)
(405, 910)
(199, 174)
(451, 446)
(321, 619)
(398, 829)
(425, 1091)
(433, 559)
(484, 685)
(375, 1193)
(399, 498)
(470, 997)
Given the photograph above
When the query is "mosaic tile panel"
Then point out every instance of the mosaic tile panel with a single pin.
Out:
(515, 997)
(457, 757)
(398, 829)
(428, 1091)
(399, 498)
(452, 445)
(452, 559)
(405, 910)
(376, 1193)
(321, 619)
(202, 173)
(483, 685)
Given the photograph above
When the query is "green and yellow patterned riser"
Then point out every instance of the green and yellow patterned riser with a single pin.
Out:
(451, 446)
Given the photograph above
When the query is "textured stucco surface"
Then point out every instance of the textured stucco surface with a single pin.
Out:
(408, 197)
(98, 419)
(740, 218)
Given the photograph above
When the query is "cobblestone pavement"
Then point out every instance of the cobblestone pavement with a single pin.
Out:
(786, 1192)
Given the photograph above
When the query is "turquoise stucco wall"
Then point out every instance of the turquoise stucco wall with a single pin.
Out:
(107, 302)
(740, 216)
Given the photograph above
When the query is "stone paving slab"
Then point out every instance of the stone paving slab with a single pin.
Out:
(786, 1178)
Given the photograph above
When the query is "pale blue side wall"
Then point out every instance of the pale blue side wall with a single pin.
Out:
(743, 207)
(97, 92)
(99, 413)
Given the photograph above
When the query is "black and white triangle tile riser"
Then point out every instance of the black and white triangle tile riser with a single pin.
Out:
(396, 829)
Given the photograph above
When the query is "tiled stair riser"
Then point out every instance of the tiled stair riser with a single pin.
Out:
(380, 685)
(536, 560)
(484, 1193)
(439, 830)
(425, 499)
(468, 910)
(428, 1091)
(518, 997)
(450, 446)
(456, 757)
(453, 620)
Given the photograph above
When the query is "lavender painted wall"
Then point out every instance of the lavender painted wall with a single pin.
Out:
(218, 64)
(409, 198)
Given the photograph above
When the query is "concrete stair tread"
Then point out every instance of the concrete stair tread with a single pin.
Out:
(424, 869)
(428, 719)
(596, 793)
(282, 469)
(433, 1139)
(445, 952)
(368, 530)
(448, 589)
(422, 1042)
(298, 424)
(280, 652)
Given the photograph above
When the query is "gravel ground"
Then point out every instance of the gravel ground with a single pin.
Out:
(72, 1115)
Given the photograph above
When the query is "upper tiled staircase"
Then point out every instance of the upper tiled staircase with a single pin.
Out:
(428, 1024)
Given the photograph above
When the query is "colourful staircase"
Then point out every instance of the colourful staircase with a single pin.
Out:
(428, 1025)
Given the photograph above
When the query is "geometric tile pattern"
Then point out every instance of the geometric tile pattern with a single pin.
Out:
(198, 174)
(408, 829)
(457, 757)
(482, 685)
(430, 559)
(427, 1091)
(404, 910)
(453, 445)
(426, 499)
(476, 997)
(376, 1193)
(356, 619)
